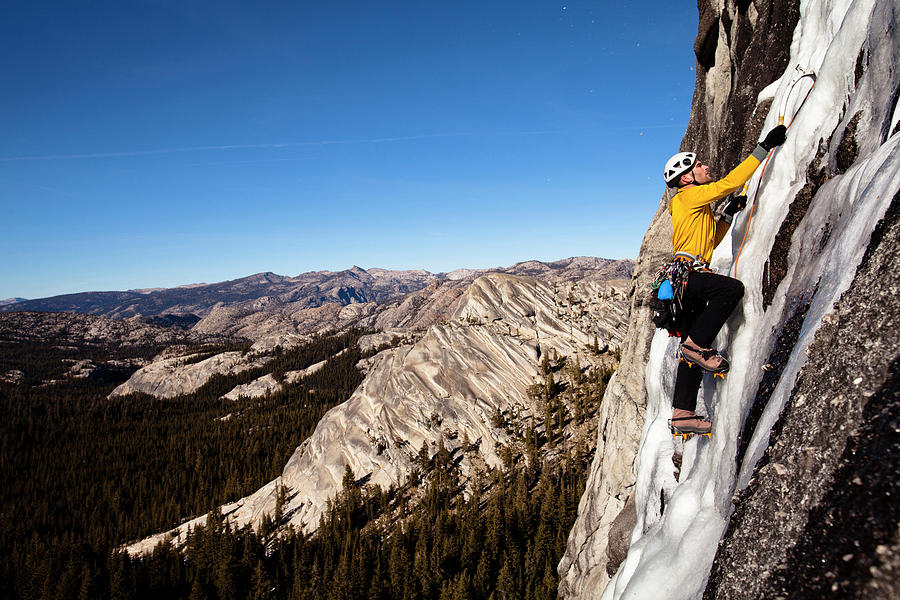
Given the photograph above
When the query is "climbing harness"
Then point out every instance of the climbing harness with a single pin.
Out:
(668, 290)
(783, 110)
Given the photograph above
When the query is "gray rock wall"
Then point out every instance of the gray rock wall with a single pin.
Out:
(583, 569)
(741, 47)
(819, 518)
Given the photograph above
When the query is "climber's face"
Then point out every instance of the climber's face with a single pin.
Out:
(700, 173)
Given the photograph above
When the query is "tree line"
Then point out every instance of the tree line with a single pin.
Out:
(86, 474)
(83, 474)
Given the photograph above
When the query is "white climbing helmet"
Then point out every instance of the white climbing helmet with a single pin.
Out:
(678, 165)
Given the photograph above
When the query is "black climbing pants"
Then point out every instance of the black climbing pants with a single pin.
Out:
(709, 300)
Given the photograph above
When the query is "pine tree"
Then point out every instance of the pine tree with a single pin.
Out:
(262, 584)
(349, 479)
(198, 590)
(549, 386)
(280, 500)
(507, 589)
(120, 587)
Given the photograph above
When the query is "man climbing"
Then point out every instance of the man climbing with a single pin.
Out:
(707, 299)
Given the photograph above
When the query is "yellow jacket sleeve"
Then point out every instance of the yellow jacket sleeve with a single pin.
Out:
(694, 228)
(701, 195)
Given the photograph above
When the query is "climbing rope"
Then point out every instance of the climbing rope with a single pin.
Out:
(799, 76)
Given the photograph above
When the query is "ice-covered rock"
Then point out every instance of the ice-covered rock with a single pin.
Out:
(814, 210)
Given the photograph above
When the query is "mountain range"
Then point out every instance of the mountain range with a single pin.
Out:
(305, 291)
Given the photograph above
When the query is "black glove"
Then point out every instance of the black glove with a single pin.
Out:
(733, 207)
(774, 138)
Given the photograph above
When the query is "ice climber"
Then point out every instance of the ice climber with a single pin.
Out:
(706, 299)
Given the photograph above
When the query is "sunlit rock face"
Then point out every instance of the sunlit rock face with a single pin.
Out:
(611, 482)
(739, 50)
(408, 300)
(177, 376)
(271, 321)
(791, 496)
(445, 388)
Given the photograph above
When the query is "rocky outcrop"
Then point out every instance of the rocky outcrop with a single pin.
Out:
(446, 388)
(255, 389)
(177, 375)
(267, 384)
(13, 376)
(811, 391)
(388, 338)
(585, 563)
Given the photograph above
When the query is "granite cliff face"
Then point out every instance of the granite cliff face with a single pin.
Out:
(446, 388)
(611, 482)
(176, 376)
(740, 49)
(810, 407)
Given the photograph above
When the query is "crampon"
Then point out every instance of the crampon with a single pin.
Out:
(685, 424)
(687, 435)
(714, 373)
(707, 359)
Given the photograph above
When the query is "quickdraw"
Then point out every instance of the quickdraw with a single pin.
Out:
(798, 77)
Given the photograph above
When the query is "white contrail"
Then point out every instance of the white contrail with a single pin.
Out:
(643, 127)
(261, 146)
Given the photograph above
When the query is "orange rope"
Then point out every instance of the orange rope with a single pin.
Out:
(766, 164)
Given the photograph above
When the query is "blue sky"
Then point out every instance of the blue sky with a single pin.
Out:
(155, 144)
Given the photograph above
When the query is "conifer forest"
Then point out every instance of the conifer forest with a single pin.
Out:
(83, 474)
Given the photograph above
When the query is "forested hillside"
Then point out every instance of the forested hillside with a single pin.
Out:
(84, 474)
(87, 473)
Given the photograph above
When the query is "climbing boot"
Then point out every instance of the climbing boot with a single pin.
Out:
(707, 359)
(685, 422)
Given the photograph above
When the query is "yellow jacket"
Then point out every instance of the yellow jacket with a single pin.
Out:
(694, 229)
